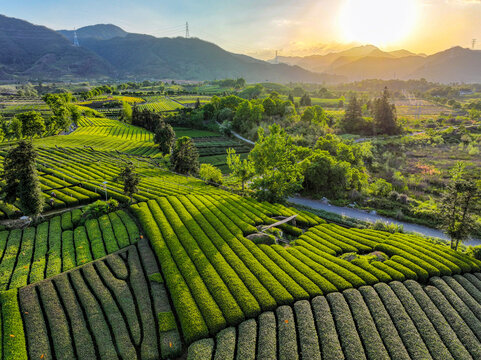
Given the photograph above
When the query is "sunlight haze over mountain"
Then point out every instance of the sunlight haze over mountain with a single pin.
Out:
(261, 27)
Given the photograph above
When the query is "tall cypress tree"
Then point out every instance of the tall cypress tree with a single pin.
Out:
(385, 118)
(21, 178)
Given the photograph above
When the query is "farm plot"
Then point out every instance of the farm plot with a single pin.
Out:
(113, 128)
(395, 321)
(160, 103)
(74, 176)
(217, 277)
(112, 308)
(37, 253)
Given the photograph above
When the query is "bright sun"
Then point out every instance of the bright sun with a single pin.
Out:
(378, 22)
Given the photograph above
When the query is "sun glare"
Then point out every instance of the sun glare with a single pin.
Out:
(378, 22)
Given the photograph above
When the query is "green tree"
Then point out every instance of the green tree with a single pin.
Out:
(269, 106)
(130, 179)
(278, 175)
(164, 137)
(352, 115)
(458, 205)
(240, 169)
(247, 116)
(126, 114)
(15, 128)
(185, 157)
(385, 118)
(21, 179)
(197, 104)
(210, 174)
(32, 123)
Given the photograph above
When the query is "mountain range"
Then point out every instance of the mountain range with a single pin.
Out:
(33, 52)
(369, 62)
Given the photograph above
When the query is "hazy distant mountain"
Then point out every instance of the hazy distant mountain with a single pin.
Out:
(369, 62)
(36, 52)
(99, 32)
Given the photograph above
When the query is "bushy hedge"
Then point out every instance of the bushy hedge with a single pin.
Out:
(281, 287)
(95, 238)
(67, 221)
(377, 272)
(326, 329)
(190, 318)
(215, 249)
(108, 235)
(9, 258)
(225, 344)
(231, 310)
(220, 235)
(393, 250)
(442, 266)
(130, 225)
(54, 259)
(393, 273)
(429, 249)
(311, 239)
(346, 328)
(464, 295)
(306, 331)
(458, 304)
(384, 324)
(267, 336)
(39, 255)
(326, 239)
(447, 334)
(201, 350)
(14, 346)
(19, 277)
(453, 318)
(246, 340)
(337, 281)
(35, 326)
(286, 333)
(426, 329)
(319, 279)
(68, 251)
(182, 271)
(56, 319)
(406, 328)
(421, 274)
(120, 231)
(82, 248)
(311, 288)
(366, 327)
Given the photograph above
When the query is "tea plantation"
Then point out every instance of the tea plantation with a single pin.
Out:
(192, 271)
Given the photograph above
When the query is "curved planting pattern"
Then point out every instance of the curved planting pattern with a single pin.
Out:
(112, 308)
(37, 253)
(385, 321)
(201, 245)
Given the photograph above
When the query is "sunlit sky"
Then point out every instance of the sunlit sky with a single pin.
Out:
(259, 27)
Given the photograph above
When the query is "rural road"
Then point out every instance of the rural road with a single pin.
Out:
(364, 216)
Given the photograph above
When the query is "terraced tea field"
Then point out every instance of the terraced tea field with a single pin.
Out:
(190, 271)
(395, 321)
(160, 103)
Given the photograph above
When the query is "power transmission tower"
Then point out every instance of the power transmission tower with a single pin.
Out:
(474, 43)
(75, 39)
(187, 35)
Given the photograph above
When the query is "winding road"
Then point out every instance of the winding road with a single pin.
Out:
(368, 217)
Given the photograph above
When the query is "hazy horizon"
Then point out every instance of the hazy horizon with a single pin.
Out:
(259, 28)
